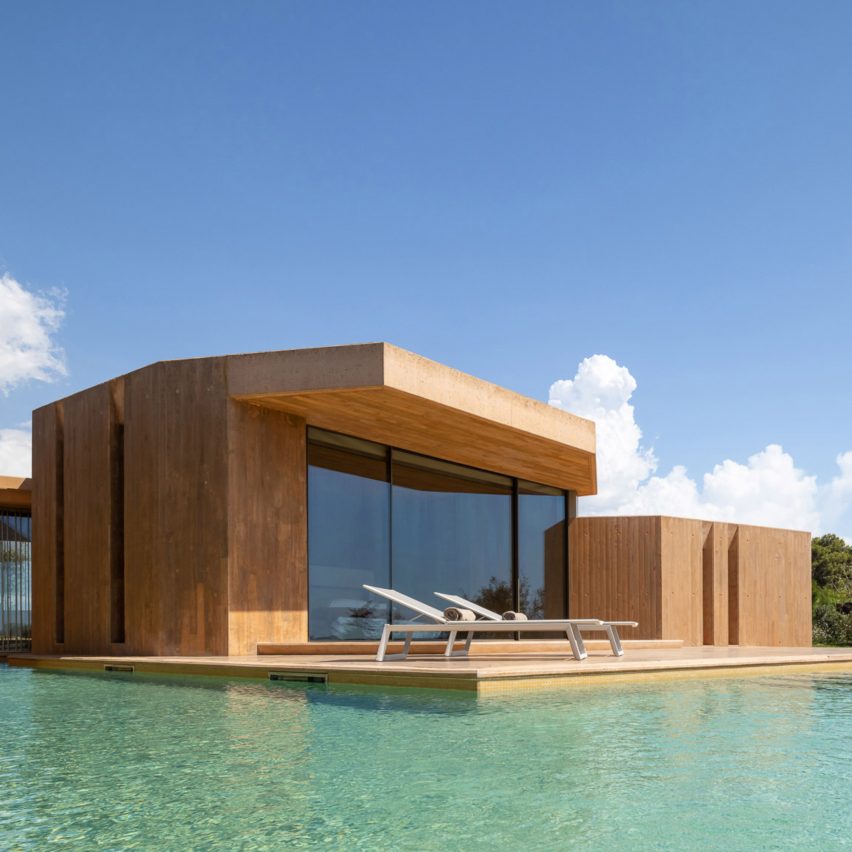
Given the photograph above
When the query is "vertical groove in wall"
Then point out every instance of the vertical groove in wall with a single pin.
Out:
(116, 530)
(708, 565)
(59, 531)
(734, 589)
(659, 581)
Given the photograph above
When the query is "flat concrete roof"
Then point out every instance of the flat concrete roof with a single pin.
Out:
(393, 396)
(389, 395)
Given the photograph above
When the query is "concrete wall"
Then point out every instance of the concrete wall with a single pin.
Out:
(702, 582)
(162, 523)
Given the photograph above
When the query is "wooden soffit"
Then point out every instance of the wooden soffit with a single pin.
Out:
(389, 395)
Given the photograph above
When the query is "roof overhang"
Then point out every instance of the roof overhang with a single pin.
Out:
(389, 395)
(15, 492)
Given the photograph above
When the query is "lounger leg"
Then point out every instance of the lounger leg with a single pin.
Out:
(382, 654)
(467, 644)
(383, 645)
(577, 644)
(448, 651)
(614, 640)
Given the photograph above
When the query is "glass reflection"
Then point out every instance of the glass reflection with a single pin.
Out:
(451, 532)
(348, 545)
(420, 525)
(15, 580)
(541, 551)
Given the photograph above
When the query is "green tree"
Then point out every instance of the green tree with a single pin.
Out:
(497, 596)
(831, 573)
(831, 560)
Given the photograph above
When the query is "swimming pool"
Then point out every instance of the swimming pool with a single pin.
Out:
(132, 761)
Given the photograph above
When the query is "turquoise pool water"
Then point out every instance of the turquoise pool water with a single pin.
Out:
(123, 762)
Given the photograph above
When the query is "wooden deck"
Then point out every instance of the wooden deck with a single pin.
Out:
(481, 673)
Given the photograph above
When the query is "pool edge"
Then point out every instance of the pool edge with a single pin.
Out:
(476, 681)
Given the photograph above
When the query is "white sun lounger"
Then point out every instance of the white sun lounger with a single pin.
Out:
(610, 627)
(440, 624)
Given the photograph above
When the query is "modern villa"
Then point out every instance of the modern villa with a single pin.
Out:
(237, 505)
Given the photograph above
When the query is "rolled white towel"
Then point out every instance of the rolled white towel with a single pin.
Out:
(514, 616)
(456, 613)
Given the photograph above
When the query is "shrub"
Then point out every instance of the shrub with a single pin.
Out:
(831, 627)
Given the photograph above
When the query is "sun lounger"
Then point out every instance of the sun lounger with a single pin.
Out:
(609, 627)
(438, 623)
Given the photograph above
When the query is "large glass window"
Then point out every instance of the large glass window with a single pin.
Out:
(419, 525)
(452, 532)
(541, 551)
(348, 537)
(15, 579)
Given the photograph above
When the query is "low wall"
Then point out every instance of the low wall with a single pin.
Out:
(704, 582)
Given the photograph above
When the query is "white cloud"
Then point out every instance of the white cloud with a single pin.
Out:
(28, 351)
(15, 452)
(601, 391)
(767, 489)
(28, 322)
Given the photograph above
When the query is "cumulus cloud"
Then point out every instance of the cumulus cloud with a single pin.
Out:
(601, 391)
(28, 352)
(28, 321)
(767, 489)
(15, 452)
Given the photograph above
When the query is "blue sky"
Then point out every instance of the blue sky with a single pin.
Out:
(505, 187)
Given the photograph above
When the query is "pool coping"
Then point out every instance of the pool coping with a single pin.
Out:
(538, 671)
